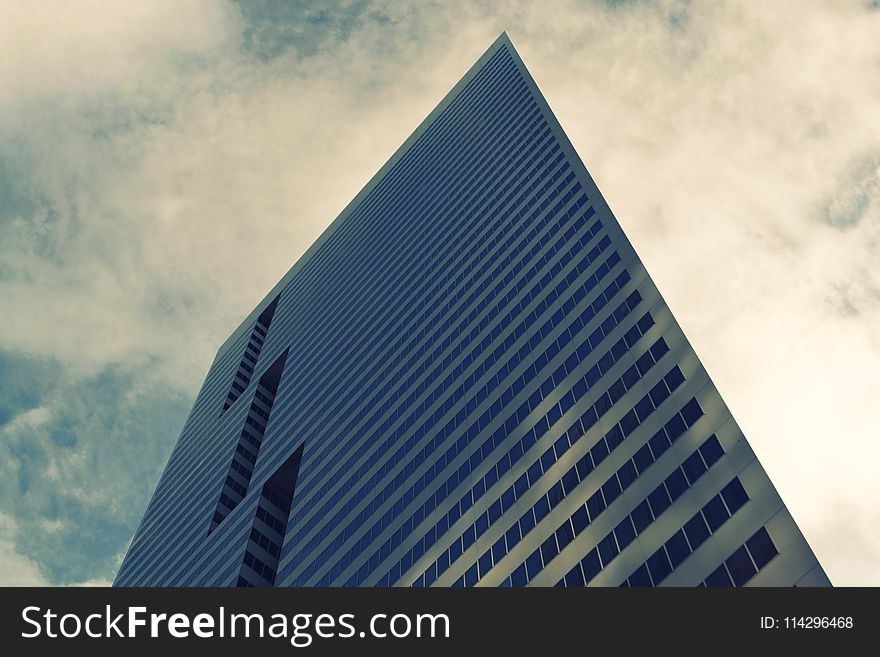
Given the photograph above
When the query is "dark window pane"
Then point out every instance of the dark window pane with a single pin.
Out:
(719, 577)
(629, 422)
(740, 566)
(658, 564)
(570, 480)
(616, 391)
(533, 564)
(762, 548)
(643, 458)
(716, 514)
(641, 516)
(518, 577)
(627, 474)
(595, 505)
(564, 534)
(625, 533)
(676, 484)
(645, 323)
(694, 467)
(611, 489)
(614, 437)
(696, 530)
(630, 376)
(674, 378)
(675, 427)
(659, 349)
(584, 466)
(590, 565)
(691, 412)
(711, 450)
(659, 393)
(575, 577)
(640, 577)
(607, 549)
(659, 500)
(599, 451)
(677, 548)
(579, 520)
(734, 495)
(644, 407)
(645, 363)
(555, 494)
(541, 509)
(659, 443)
(549, 550)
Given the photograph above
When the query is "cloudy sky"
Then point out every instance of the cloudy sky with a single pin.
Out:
(162, 164)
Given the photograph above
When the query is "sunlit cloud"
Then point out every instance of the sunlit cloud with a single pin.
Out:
(163, 164)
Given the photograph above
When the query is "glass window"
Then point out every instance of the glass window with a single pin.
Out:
(629, 422)
(641, 516)
(659, 349)
(693, 467)
(659, 443)
(691, 412)
(607, 549)
(533, 564)
(696, 530)
(470, 577)
(659, 500)
(549, 549)
(719, 577)
(659, 393)
(512, 535)
(584, 466)
(518, 577)
(643, 458)
(625, 533)
(595, 505)
(570, 480)
(611, 489)
(614, 437)
(555, 494)
(762, 548)
(675, 427)
(627, 474)
(674, 378)
(526, 523)
(734, 495)
(541, 508)
(599, 451)
(676, 484)
(616, 391)
(658, 564)
(645, 323)
(711, 450)
(740, 566)
(498, 550)
(564, 535)
(630, 376)
(575, 577)
(644, 408)
(677, 548)
(640, 577)
(715, 513)
(580, 519)
(590, 564)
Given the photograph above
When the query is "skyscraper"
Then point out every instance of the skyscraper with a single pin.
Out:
(469, 379)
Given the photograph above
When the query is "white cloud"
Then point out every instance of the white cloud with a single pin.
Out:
(167, 178)
(16, 569)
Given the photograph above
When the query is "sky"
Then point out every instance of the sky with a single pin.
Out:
(163, 164)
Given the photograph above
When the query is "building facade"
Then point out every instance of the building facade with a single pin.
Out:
(469, 379)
